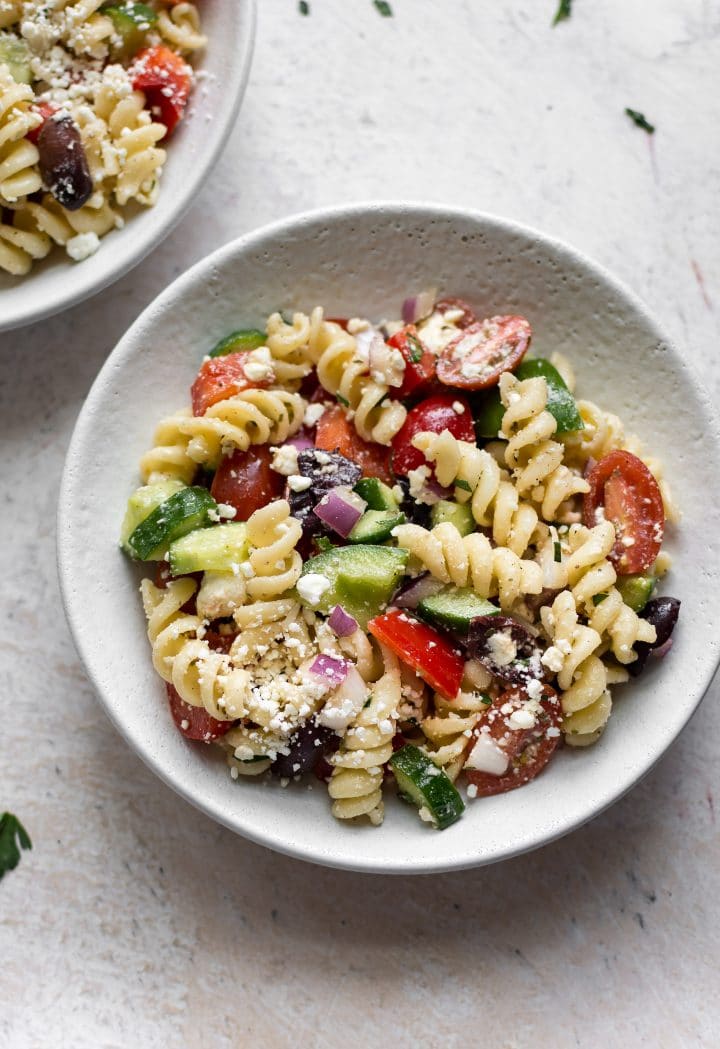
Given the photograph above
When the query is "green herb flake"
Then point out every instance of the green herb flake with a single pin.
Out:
(383, 8)
(323, 543)
(557, 548)
(13, 838)
(563, 12)
(416, 350)
(367, 703)
(485, 700)
(304, 7)
(639, 120)
(598, 598)
(461, 483)
(342, 400)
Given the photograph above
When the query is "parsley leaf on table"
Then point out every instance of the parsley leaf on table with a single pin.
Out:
(303, 7)
(639, 120)
(13, 837)
(563, 12)
(384, 8)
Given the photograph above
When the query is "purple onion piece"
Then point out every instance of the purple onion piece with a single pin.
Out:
(419, 306)
(660, 653)
(307, 746)
(342, 622)
(301, 443)
(326, 470)
(339, 511)
(663, 613)
(410, 593)
(523, 667)
(329, 669)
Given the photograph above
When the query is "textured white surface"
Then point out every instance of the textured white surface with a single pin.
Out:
(136, 920)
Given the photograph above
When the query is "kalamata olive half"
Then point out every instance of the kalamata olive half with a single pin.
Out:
(307, 746)
(63, 163)
(663, 613)
(506, 648)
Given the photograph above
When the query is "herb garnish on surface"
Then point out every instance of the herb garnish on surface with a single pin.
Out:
(563, 12)
(13, 837)
(639, 120)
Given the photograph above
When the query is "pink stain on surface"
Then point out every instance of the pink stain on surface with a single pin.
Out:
(701, 282)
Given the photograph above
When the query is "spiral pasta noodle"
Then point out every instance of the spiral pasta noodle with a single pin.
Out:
(180, 27)
(33, 227)
(449, 729)
(19, 174)
(134, 136)
(356, 782)
(275, 563)
(288, 346)
(471, 560)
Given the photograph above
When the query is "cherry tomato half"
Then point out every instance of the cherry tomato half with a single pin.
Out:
(419, 362)
(194, 722)
(630, 497)
(247, 481)
(433, 415)
(219, 378)
(166, 80)
(477, 358)
(335, 433)
(468, 314)
(528, 750)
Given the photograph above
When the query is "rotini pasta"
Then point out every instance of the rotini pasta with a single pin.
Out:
(448, 630)
(180, 27)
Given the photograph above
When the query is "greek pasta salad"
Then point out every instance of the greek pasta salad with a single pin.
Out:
(397, 555)
(90, 91)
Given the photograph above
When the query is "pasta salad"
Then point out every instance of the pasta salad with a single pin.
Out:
(90, 91)
(401, 553)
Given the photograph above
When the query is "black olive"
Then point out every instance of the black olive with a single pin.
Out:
(326, 470)
(663, 613)
(524, 667)
(307, 746)
(63, 163)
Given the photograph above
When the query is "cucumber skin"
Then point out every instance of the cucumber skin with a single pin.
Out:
(458, 514)
(245, 339)
(561, 403)
(183, 512)
(636, 590)
(426, 785)
(142, 503)
(376, 494)
(433, 609)
(384, 521)
(343, 567)
(231, 547)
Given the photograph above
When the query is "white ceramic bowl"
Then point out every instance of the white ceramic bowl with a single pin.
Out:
(58, 283)
(364, 259)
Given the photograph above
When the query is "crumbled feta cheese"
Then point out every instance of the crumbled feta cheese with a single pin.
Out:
(259, 365)
(82, 246)
(313, 412)
(486, 756)
(553, 659)
(418, 486)
(285, 459)
(534, 688)
(458, 407)
(298, 483)
(357, 324)
(521, 718)
(501, 647)
(312, 586)
(472, 790)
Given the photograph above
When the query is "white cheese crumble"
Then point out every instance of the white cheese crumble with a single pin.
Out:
(298, 483)
(285, 459)
(418, 486)
(521, 718)
(312, 586)
(259, 365)
(553, 659)
(486, 756)
(472, 790)
(313, 412)
(501, 647)
(82, 246)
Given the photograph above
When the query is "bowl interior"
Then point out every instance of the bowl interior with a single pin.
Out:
(57, 283)
(365, 260)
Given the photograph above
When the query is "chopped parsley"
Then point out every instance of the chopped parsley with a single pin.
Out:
(384, 8)
(563, 12)
(323, 543)
(557, 551)
(485, 700)
(342, 400)
(462, 483)
(639, 120)
(304, 7)
(367, 702)
(598, 598)
(416, 350)
(13, 838)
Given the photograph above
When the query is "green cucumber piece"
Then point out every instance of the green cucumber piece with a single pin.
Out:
(362, 578)
(215, 549)
(420, 781)
(458, 514)
(376, 494)
(141, 504)
(183, 512)
(15, 54)
(375, 526)
(561, 403)
(132, 22)
(636, 590)
(244, 339)
(454, 608)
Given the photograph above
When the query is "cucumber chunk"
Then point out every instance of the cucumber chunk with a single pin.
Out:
(458, 514)
(361, 578)
(375, 526)
(561, 403)
(376, 494)
(15, 54)
(245, 339)
(636, 590)
(142, 503)
(420, 781)
(183, 512)
(454, 608)
(214, 549)
(132, 22)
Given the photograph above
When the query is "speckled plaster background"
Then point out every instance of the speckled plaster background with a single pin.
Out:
(136, 921)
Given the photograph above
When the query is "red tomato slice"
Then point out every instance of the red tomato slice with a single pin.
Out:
(468, 314)
(430, 654)
(419, 362)
(335, 433)
(194, 722)
(247, 481)
(433, 415)
(166, 80)
(342, 321)
(528, 750)
(630, 497)
(486, 349)
(45, 110)
(219, 378)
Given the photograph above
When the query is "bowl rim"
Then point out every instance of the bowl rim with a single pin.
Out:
(135, 250)
(287, 226)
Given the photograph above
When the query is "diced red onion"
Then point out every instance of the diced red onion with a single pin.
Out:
(346, 702)
(300, 442)
(341, 509)
(662, 650)
(412, 592)
(419, 307)
(342, 622)
(331, 670)
(364, 340)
